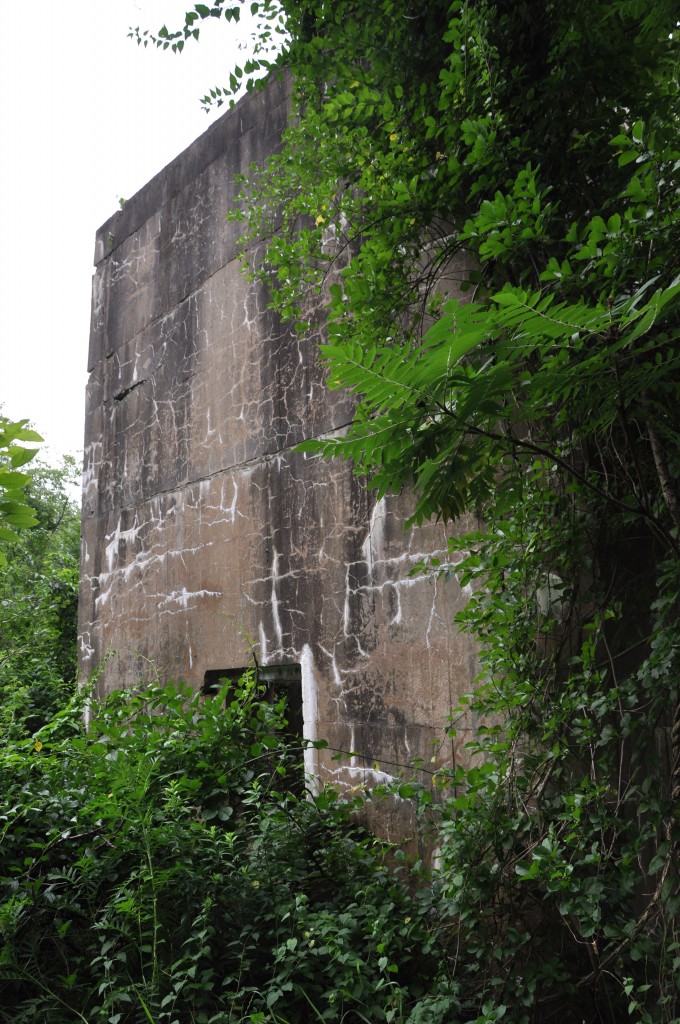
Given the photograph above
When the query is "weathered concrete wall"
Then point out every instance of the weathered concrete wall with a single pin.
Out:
(204, 533)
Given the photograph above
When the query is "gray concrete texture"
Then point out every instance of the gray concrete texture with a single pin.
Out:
(206, 537)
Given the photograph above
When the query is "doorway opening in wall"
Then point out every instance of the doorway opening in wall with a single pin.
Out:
(278, 680)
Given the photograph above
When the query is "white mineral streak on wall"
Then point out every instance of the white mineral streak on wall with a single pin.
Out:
(86, 649)
(432, 618)
(351, 772)
(264, 651)
(183, 597)
(346, 605)
(337, 678)
(310, 711)
(275, 602)
(373, 547)
(91, 458)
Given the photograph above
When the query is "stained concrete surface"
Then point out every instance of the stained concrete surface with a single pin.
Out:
(207, 539)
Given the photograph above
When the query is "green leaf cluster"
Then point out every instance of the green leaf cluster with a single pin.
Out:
(266, 41)
(15, 513)
(39, 605)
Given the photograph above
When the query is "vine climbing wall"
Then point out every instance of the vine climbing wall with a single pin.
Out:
(209, 543)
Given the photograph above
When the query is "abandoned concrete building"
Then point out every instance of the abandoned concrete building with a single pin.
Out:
(208, 540)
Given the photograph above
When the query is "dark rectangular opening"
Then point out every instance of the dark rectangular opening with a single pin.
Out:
(278, 680)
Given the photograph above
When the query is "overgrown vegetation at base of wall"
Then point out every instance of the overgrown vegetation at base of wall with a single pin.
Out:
(159, 868)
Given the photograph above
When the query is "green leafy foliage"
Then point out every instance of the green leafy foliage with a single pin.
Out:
(558, 844)
(492, 162)
(38, 601)
(267, 39)
(15, 513)
(157, 867)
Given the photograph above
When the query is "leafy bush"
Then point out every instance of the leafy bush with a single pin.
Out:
(557, 887)
(15, 514)
(156, 867)
(39, 605)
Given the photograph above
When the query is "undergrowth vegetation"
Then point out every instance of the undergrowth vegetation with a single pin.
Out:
(163, 866)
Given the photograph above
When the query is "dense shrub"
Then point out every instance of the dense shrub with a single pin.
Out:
(156, 867)
(39, 605)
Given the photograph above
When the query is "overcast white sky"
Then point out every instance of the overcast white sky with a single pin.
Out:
(86, 117)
